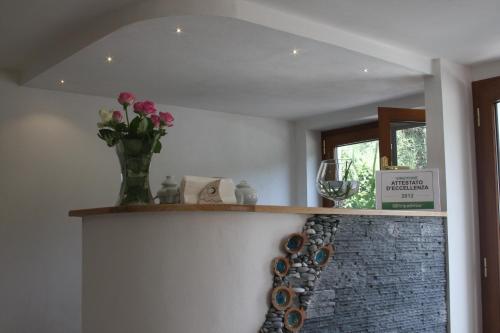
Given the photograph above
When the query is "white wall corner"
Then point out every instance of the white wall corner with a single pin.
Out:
(313, 142)
(434, 124)
(359, 114)
(485, 70)
(300, 166)
(450, 129)
(307, 158)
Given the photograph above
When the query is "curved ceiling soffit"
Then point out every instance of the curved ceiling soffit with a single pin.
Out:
(237, 9)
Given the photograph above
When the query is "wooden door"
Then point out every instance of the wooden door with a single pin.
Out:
(486, 96)
(389, 121)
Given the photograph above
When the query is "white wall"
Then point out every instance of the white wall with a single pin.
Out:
(307, 159)
(52, 161)
(434, 127)
(451, 138)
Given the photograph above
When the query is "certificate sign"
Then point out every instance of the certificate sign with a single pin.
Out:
(408, 189)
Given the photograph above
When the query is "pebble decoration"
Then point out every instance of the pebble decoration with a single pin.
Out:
(316, 248)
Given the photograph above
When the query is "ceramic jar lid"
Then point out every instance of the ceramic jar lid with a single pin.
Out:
(169, 182)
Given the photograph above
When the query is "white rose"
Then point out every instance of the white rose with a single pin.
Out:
(106, 115)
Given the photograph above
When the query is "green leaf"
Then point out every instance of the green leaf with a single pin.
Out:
(141, 126)
(134, 124)
(111, 137)
(157, 147)
(121, 127)
(145, 125)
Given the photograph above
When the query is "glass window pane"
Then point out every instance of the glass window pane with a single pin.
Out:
(366, 161)
(409, 145)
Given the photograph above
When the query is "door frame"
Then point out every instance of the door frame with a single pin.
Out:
(486, 93)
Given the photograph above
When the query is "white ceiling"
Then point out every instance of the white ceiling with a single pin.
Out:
(229, 65)
(27, 27)
(234, 55)
(462, 30)
(466, 31)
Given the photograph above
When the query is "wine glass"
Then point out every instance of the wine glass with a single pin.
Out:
(336, 180)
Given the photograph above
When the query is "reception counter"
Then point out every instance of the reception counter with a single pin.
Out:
(208, 268)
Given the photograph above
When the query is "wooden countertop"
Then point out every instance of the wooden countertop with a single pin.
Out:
(249, 209)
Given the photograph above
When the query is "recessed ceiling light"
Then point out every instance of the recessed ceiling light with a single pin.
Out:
(365, 70)
(109, 59)
(178, 30)
(295, 51)
(61, 82)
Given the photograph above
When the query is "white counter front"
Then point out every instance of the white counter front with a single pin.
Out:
(180, 272)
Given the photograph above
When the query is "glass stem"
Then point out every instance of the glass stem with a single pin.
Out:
(126, 115)
(156, 138)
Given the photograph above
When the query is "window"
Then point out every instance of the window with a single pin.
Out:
(399, 134)
(402, 135)
(408, 144)
(359, 143)
(366, 161)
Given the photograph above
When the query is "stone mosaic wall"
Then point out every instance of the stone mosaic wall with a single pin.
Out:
(388, 275)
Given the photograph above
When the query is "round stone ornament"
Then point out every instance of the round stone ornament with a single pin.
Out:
(282, 297)
(295, 243)
(281, 265)
(294, 319)
(323, 255)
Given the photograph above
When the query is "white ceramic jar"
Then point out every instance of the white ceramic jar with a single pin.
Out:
(245, 194)
(169, 193)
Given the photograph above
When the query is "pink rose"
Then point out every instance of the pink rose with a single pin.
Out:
(167, 118)
(156, 120)
(145, 108)
(126, 99)
(148, 107)
(138, 108)
(117, 116)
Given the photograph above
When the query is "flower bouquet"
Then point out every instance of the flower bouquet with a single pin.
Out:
(136, 141)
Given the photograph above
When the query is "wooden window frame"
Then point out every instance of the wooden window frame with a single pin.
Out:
(347, 135)
(486, 93)
(386, 116)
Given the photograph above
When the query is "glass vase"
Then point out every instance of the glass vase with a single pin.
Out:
(135, 157)
(336, 180)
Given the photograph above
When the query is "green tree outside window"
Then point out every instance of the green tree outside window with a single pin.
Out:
(411, 151)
